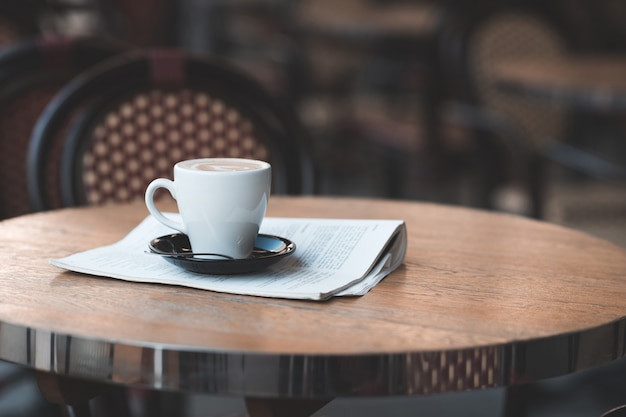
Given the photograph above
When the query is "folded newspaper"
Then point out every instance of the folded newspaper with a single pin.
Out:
(333, 257)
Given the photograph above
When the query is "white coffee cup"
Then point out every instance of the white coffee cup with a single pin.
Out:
(221, 201)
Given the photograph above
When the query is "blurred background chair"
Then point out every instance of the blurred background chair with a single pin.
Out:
(473, 46)
(31, 72)
(143, 111)
(572, 136)
(591, 152)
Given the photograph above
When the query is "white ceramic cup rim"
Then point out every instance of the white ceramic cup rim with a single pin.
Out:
(186, 166)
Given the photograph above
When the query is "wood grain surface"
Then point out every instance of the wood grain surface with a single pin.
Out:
(470, 278)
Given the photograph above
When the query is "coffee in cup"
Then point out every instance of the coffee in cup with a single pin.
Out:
(222, 165)
(221, 201)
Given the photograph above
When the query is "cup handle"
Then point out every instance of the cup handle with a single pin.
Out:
(169, 186)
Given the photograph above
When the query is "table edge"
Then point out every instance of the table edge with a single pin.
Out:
(286, 375)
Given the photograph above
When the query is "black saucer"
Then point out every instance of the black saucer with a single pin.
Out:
(267, 250)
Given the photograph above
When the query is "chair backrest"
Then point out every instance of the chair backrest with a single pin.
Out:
(31, 72)
(619, 411)
(150, 109)
(482, 41)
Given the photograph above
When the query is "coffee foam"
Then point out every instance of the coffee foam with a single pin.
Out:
(224, 165)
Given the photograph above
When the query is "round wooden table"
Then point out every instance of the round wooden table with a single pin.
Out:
(482, 300)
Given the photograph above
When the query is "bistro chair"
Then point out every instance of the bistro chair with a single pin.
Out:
(148, 110)
(472, 48)
(31, 72)
(498, 35)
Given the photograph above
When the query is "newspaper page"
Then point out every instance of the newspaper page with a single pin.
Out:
(333, 257)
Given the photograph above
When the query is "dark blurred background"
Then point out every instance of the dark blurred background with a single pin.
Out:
(398, 96)
(401, 101)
